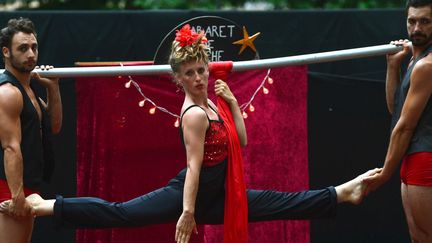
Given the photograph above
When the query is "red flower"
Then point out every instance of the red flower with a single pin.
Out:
(187, 36)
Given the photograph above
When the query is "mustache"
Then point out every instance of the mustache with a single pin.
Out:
(30, 62)
(417, 34)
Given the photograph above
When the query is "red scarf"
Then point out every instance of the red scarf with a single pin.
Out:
(236, 207)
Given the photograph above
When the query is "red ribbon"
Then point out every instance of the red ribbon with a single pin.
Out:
(236, 207)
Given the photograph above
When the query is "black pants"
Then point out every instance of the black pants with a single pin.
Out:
(166, 204)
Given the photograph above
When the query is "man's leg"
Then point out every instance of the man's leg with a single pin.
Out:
(418, 210)
(15, 230)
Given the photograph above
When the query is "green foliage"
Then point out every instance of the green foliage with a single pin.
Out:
(338, 4)
(173, 4)
(210, 4)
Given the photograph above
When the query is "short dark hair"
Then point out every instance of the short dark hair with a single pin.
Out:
(14, 26)
(417, 4)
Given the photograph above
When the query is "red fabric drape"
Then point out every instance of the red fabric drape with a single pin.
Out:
(236, 208)
(124, 152)
(236, 211)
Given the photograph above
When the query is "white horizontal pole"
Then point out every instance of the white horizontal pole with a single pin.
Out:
(318, 57)
(237, 66)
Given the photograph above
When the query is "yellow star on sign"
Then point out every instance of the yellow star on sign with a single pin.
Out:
(247, 41)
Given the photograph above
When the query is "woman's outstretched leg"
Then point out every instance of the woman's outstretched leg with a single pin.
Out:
(312, 204)
(160, 206)
(265, 205)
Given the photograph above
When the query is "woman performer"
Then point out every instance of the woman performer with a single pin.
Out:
(202, 193)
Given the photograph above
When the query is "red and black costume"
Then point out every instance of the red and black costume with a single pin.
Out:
(36, 150)
(165, 204)
(416, 167)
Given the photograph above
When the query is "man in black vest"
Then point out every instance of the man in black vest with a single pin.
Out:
(409, 101)
(26, 123)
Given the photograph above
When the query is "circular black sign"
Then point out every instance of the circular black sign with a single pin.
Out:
(220, 32)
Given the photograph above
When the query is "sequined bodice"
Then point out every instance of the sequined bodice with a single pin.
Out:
(215, 142)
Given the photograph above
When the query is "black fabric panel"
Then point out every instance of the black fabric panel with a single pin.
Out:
(349, 128)
(67, 37)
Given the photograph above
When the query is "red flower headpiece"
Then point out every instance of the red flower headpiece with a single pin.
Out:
(187, 36)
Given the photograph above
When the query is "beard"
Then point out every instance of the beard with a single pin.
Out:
(25, 67)
(420, 39)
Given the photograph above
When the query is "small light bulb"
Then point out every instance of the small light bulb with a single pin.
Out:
(265, 90)
(119, 77)
(128, 84)
(245, 115)
(141, 103)
(270, 80)
(177, 122)
(152, 110)
(251, 108)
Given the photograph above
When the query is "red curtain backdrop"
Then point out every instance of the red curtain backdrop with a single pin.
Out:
(124, 152)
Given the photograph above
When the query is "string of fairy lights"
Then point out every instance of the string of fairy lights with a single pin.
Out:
(245, 107)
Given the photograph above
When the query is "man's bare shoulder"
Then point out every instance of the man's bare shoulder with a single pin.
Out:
(421, 77)
(424, 66)
(427, 59)
(424, 63)
(10, 97)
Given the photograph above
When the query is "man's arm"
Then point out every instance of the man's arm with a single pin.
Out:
(53, 104)
(11, 104)
(392, 82)
(417, 98)
(393, 72)
(54, 107)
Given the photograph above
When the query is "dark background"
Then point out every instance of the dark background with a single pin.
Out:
(348, 122)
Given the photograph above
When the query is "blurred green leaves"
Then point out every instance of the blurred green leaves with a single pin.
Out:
(204, 4)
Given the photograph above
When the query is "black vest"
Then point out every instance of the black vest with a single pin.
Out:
(422, 137)
(36, 150)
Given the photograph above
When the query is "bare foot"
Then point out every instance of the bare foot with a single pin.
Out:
(354, 190)
(40, 207)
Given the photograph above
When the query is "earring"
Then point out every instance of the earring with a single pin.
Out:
(179, 87)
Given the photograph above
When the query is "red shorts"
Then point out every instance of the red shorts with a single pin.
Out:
(416, 169)
(5, 193)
